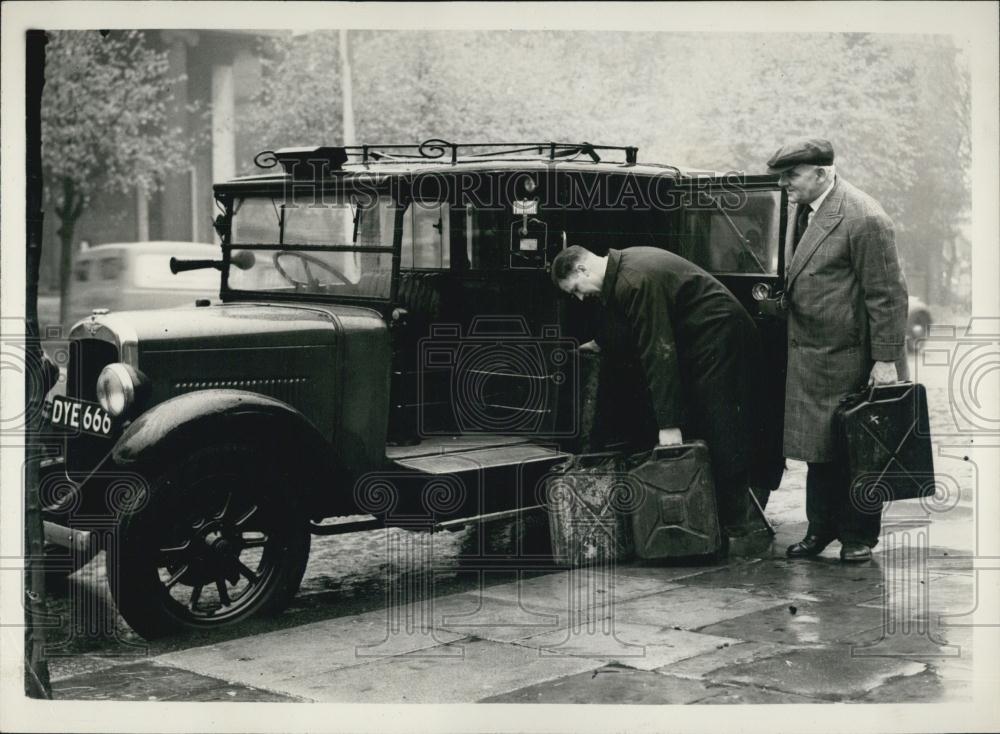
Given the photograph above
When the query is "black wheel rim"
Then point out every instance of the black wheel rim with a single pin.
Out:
(219, 560)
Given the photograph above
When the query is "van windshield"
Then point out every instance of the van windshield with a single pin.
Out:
(304, 246)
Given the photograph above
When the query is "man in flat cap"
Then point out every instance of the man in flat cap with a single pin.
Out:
(847, 304)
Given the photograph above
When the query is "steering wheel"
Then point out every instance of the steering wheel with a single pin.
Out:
(306, 258)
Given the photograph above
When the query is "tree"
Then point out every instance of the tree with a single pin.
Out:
(36, 683)
(299, 102)
(942, 148)
(895, 107)
(104, 113)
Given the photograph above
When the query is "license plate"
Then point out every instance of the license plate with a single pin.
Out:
(80, 415)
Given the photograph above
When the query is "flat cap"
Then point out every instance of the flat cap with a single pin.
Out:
(815, 151)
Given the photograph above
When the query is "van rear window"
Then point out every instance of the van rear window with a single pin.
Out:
(153, 271)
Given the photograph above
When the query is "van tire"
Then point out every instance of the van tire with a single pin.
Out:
(216, 539)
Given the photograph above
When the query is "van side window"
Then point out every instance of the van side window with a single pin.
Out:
(729, 234)
(81, 272)
(487, 238)
(426, 236)
(110, 268)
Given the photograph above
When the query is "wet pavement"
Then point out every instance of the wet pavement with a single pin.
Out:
(373, 624)
(751, 630)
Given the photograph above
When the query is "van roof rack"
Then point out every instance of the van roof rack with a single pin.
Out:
(435, 149)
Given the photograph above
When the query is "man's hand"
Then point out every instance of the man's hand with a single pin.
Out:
(670, 437)
(883, 373)
(591, 346)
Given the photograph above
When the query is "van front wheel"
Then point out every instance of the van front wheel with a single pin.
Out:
(209, 543)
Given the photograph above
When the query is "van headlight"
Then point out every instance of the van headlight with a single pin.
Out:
(117, 387)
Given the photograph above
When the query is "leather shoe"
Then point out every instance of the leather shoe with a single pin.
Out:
(855, 553)
(811, 545)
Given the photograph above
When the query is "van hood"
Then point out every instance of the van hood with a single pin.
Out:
(230, 325)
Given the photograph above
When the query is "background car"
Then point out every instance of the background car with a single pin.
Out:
(127, 276)
(918, 322)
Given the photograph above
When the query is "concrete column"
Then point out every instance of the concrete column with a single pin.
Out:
(223, 127)
(141, 214)
(175, 197)
(346, 90)
(196, 210)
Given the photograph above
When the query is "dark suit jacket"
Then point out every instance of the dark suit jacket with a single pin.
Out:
(847, 307)
(696, 344)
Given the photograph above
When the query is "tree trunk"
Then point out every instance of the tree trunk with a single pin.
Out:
(949, 258)
(36, 670)
(69, 213)
(940, 262)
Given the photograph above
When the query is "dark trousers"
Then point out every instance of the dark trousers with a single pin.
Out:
(733, 499)
(831, 511)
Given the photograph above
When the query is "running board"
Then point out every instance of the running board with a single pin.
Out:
(346, 527)
(488, 517)
(479, 459)
(378, 524)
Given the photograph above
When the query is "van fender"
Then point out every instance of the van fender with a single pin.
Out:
(181, 424)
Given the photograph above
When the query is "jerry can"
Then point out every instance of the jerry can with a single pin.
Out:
(887, 440)
(589, 500)
(676, 514)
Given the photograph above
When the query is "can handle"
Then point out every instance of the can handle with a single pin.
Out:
(902, 385)
(856, 398)
(660, 452)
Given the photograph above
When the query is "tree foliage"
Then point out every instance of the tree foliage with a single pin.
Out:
(896, 107)
(104, 113)
(298, 102)
(104, 123)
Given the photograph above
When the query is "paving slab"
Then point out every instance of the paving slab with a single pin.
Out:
(808, 579)
(952, 561)
(788, 520)
(148, 681)
(961, 671)
(829, 673)
(937, 593)
(645, 647)
(576, 589)
(467, 671)
(756, 544)
(919, 639)
(609, 685)
(66, 666)
(699, 666)
(735, 695)
(694, 607)
(665, 571)
(813, 623)
(925, 687)
(480, 615)
(259, 660)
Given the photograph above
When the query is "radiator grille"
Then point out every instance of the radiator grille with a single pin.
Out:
(289, 389)
(87, 358)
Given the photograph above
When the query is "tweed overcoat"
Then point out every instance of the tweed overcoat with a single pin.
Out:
(847, 304)
(697, 346)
